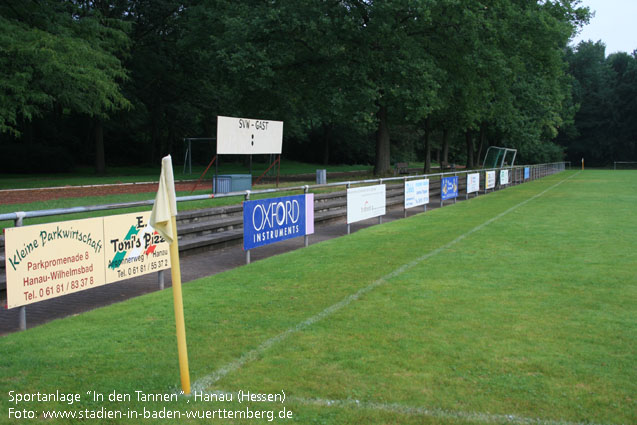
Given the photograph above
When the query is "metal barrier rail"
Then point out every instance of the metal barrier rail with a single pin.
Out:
(535, 171)
(622, 162)
(18, 216)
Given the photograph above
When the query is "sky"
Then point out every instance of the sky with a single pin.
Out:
(613, 23)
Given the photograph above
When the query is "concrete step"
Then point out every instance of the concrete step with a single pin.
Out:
(208, 214)
(211, 241)
(194, 229)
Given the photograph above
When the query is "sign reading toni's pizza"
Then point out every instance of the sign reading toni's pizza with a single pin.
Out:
(49, 260)
(132, 247)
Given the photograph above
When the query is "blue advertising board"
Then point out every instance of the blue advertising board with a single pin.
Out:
(526, 173)
(273, 220)
(449, 188)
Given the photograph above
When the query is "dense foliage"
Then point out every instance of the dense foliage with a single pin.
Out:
(605, 89)
(355, 81)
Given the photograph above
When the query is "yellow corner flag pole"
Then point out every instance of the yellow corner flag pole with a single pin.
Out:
(164, 222)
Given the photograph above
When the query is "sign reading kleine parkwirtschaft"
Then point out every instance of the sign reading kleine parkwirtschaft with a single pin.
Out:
(365, 202)
(50, 260)
(244, 136)
(267, 221)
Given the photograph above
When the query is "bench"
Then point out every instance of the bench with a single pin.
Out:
(401, 168)
(445, 165)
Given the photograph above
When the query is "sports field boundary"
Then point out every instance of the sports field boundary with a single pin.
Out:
(396, 408)
(207, 381)
(429, 412)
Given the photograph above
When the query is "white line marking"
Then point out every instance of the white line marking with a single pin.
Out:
(433, 412)
(207, 381)
(402, 409)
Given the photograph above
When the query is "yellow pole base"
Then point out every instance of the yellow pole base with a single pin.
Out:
(175, 272)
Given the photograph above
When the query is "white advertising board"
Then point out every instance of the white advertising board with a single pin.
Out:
(50, 260)
(243, 136)
(504, 177)
(473, 182)
(365, 202)
(416, 193)
(490, 180)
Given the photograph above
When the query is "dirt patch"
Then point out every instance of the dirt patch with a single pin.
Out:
(24, 196)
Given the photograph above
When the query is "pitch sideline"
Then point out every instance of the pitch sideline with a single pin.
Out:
(207, 381)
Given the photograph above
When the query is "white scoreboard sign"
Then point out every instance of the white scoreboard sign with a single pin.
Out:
(243, 136)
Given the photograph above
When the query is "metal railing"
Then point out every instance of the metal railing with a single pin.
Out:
(535, 171)
(623, 162)
(19, 216)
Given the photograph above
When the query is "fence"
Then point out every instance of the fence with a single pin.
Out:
(518, 174)
(624, 163)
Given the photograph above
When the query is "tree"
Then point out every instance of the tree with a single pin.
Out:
(56, 55)
(605, 90)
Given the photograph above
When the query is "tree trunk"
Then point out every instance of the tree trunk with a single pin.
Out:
(170, 143)
(98, 137)
(27, 133)
(155, 133)
(326, 144)
(427, 168)
(483, 138)
(446, 134)
(469, 140)
(382, 165)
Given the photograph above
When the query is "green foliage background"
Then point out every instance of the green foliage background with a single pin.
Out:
(122, 82)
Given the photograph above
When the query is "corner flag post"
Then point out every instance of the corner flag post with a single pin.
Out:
(164, 222)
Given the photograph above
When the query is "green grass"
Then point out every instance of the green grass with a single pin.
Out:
(532, 315)
(86, 176)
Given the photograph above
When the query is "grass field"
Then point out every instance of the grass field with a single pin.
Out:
(516, 307)
(86, 176)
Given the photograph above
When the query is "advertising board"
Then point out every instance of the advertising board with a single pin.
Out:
(132, 247)
(273, 220)
(449, 188)
(416, 193)
(473, 182)
(50, 260)
(490, 180)
(365, 202)
(504, 177)
(527, 173)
